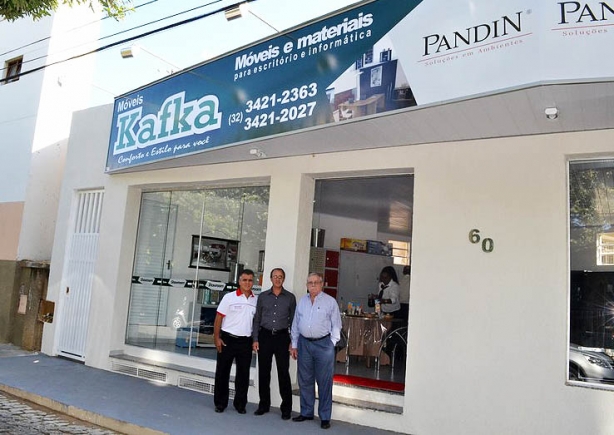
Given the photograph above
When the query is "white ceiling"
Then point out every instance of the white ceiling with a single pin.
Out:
(385, 200)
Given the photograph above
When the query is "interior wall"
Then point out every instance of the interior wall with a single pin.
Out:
(338, 227)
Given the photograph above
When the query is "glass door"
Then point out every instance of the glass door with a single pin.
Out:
(152, 270)
(189, 246)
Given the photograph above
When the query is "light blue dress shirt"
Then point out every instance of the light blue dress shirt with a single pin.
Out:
(316, 320)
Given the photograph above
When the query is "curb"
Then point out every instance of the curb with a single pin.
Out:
(87, 416)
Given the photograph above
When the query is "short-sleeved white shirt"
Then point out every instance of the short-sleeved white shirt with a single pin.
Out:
(238, 312)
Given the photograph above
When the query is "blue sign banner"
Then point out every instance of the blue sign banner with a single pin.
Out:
(326, 72)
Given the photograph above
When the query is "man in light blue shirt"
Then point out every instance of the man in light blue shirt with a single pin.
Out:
(315, 331)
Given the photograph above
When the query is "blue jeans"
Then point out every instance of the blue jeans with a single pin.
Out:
(316, 364)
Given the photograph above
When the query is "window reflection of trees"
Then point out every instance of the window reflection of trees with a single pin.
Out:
(591, 205)
(233, 213)
(223, 210)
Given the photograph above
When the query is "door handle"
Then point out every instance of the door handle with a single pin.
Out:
(168, 264)
(67, 290)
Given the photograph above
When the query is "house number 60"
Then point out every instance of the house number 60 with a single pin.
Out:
(488, 245)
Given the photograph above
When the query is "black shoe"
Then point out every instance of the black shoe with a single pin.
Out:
(219, 409)
(302, 418)
(260, 411)
(286, 416)
(241, 411)
(325, 424)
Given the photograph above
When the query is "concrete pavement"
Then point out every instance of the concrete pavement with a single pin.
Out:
(136, 406)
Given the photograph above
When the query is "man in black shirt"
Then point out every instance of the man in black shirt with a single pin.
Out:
(272, 322)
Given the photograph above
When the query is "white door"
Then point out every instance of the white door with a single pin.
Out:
(81, 255)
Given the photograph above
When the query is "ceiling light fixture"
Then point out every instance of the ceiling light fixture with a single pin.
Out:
(257, 152)
(551, 113)
(236, 11)
(128, 52)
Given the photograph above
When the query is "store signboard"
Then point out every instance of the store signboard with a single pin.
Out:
(379, 56)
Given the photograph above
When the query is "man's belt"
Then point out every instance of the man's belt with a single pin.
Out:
(274, 331)
(235, 336)
(316, 339)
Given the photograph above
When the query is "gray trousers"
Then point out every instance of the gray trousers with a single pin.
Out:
(316, 364)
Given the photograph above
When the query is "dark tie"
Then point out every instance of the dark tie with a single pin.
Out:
(381, 293)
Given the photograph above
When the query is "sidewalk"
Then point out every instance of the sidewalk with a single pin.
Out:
(135, 406)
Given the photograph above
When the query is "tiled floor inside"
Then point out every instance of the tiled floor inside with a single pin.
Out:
(358, 366)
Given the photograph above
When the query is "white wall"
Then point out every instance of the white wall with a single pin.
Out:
(337, 227)
(35, 116)
(19, 106)
(64, 88)
(488, 336)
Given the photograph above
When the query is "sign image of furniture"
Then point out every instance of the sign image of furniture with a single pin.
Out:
(368, 106)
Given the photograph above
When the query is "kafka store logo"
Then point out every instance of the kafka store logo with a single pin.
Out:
(176, 118)
(501, 33)
(584, 19)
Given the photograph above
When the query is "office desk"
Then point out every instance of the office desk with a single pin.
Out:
(368, 106)
(364, 338)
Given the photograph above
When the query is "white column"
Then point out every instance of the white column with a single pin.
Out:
(289, 228)
(287, 245)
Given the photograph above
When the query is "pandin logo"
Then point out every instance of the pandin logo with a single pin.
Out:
(146, 280)
(576, 12)
(436, 43)
(177, 282)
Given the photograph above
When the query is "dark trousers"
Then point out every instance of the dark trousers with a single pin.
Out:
(404, 312)
(239, 350)
(277, 345)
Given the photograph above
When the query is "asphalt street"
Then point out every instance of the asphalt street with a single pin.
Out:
(22, 418)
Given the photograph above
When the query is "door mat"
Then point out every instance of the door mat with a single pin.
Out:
(376, 384)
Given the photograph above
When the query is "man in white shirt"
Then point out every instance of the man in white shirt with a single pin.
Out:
(232, 332)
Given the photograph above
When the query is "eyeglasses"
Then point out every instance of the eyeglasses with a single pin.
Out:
(277, 277)
(314, 282)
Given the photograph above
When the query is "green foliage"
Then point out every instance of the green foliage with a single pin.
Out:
(583, 184)
(591, 205)
(12, 10)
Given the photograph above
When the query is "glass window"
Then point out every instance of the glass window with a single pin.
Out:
(400, 252)
(605, 249)
(12, 69)
(190, 247)
(591, 322)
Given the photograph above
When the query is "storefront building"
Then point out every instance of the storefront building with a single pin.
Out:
(495, 122)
